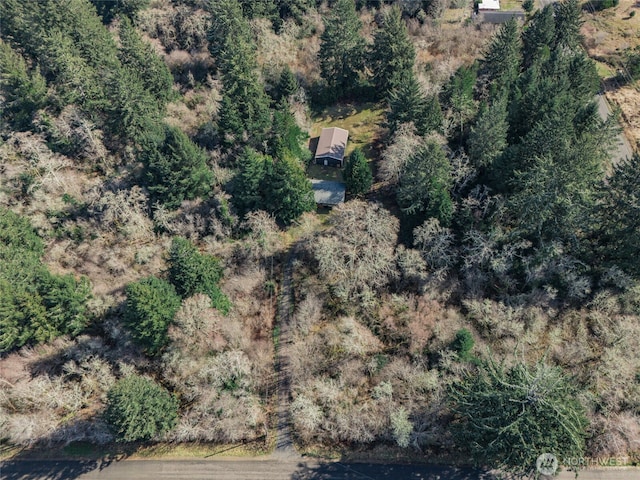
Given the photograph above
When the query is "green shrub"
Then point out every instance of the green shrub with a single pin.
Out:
(140, 409)
(357, 174)
(192, 272)
(463, 343)
(151, 306)
(35, 305)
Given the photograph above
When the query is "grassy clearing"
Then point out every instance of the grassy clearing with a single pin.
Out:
(363, 121)
(604, 70)
(456, 15)
(89, 451)
(510, 4)
(201, 450)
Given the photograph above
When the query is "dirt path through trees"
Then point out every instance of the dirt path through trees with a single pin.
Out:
(284, 442)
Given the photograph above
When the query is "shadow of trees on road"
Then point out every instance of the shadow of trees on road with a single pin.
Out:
(368, 471)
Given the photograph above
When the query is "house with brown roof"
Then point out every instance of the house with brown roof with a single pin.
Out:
(332, 146)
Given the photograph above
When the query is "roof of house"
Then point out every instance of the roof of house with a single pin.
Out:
(326, 192)
(332, 143)
(489, 5)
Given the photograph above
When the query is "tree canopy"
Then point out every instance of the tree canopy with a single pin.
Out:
(507, 417)
(140, 409)
(342, 48)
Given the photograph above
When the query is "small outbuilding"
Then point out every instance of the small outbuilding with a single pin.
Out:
(328, 193)
(489, 5)
(332, 146)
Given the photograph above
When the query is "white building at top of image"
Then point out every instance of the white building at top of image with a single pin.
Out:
(489, 5)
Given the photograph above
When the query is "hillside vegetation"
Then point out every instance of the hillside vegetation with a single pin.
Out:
(478, 297)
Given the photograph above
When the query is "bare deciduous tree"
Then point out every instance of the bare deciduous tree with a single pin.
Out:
(403, 145)
(357, 253)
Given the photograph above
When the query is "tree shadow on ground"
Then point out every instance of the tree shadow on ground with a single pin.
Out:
(371, 471)
(24, 466)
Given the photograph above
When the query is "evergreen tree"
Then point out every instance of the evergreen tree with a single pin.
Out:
(287, 84)
(24, 90)
(408, 104)
(568, 22)
(618, 217)
(35, 305)
(554, 187)
(539, 37)
(151, 305)
(110, 9)
(342, 48)
(175, 168)
(287, 190)
(248, 182)
(506, 418)
(458, 96)
(139, 59)
(244, 113)
(502, 60)
(425, 182)
(287, 137)
(488, 137)
(192, 272)
(357, 174)
(140, 409)
(133, 114)
(392, 55)
(295, 9)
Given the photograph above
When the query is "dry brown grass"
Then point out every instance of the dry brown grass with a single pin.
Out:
(606, 35)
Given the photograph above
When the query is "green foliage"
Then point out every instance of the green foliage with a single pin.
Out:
(357, 174)
(248, 182)
(287, 84)
(488, 137)
(392, 55)
(140, 409)
(556, 168)
(463, 343)
(287, 190)
(35, 305)
(618, 217)
(79, 58)
(139, 58)
(528, 5)
(16, 232)
(192, 272)
(133, 113)
(507, 417)
(568, 22)
(539, 36)
(110, 9)
(458, 94)
(175, 168)
(24, 90)
(244, 112)
(151, 306)
(408, 104)
(502, 60)
(287, 137)
(425, 181)
(280, 187)
(342, 48)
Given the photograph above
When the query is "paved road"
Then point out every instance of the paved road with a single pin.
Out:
(229, 470)
(623, 147)
(259, 469)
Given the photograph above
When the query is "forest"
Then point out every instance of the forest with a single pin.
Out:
(476, 297)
